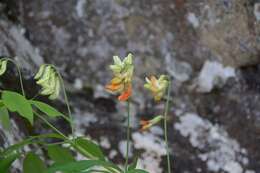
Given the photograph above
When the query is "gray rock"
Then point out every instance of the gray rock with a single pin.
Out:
(14, 44)
(226, 33)
(80, 37)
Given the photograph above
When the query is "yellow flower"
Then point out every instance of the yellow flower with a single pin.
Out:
(146, 124)
(157, 86)
(122, 80)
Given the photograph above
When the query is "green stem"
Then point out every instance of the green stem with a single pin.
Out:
(95, 170)
(55, 143)
(51, 126)
(166, 110)
(128, 135)
(20, 78)
(19, 72)
(48, 145)
(36, 95)
(67, 103)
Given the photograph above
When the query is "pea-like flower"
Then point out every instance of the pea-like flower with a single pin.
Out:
(122, 80)
(47, 77)
(146, 124)
(157, 86)
(3, 64)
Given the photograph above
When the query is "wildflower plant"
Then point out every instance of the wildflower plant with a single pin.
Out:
(62, 159)
(122, 83)
(158, 88)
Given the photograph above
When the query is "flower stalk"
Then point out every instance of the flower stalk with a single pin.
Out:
(158, 88)
(51, 126)
(166, 110)
(4, 62)
(121, 84)
(67, 104)
(127, 135)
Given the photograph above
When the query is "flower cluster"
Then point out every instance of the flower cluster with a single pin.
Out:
(157, 86)
(47, 77)
(122, 80)
(121, 83)
(3, 64)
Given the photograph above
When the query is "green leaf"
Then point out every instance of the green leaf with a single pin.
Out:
(47, 109)
(82, 165)
(137, 171)
(94, 170)
(6, 161)
(88, 148)
(31, 140)
(4, 118)
(17, 103)
(59, 154)
(1, 103)
(32, 164)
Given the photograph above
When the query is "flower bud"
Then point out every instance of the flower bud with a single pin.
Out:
(3, 64)
(146, 124)
(47, 77)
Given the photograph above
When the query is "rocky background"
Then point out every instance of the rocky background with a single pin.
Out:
(211, 48)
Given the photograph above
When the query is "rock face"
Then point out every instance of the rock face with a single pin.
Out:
(228, 33)
(216, 131)
(14, 44)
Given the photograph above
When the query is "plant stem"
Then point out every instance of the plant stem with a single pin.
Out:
(48, 145)
(21, 80)
(128, 135)
(36, 95)
(94, 170)
(51, 126)
(166, 110)
(67, 103)
(19, 72)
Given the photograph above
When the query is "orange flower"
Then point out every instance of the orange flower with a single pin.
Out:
(126, 94)
(146, 124)
(123, 73)
(114, 87)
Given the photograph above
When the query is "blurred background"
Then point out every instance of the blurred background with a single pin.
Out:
(210, 48)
